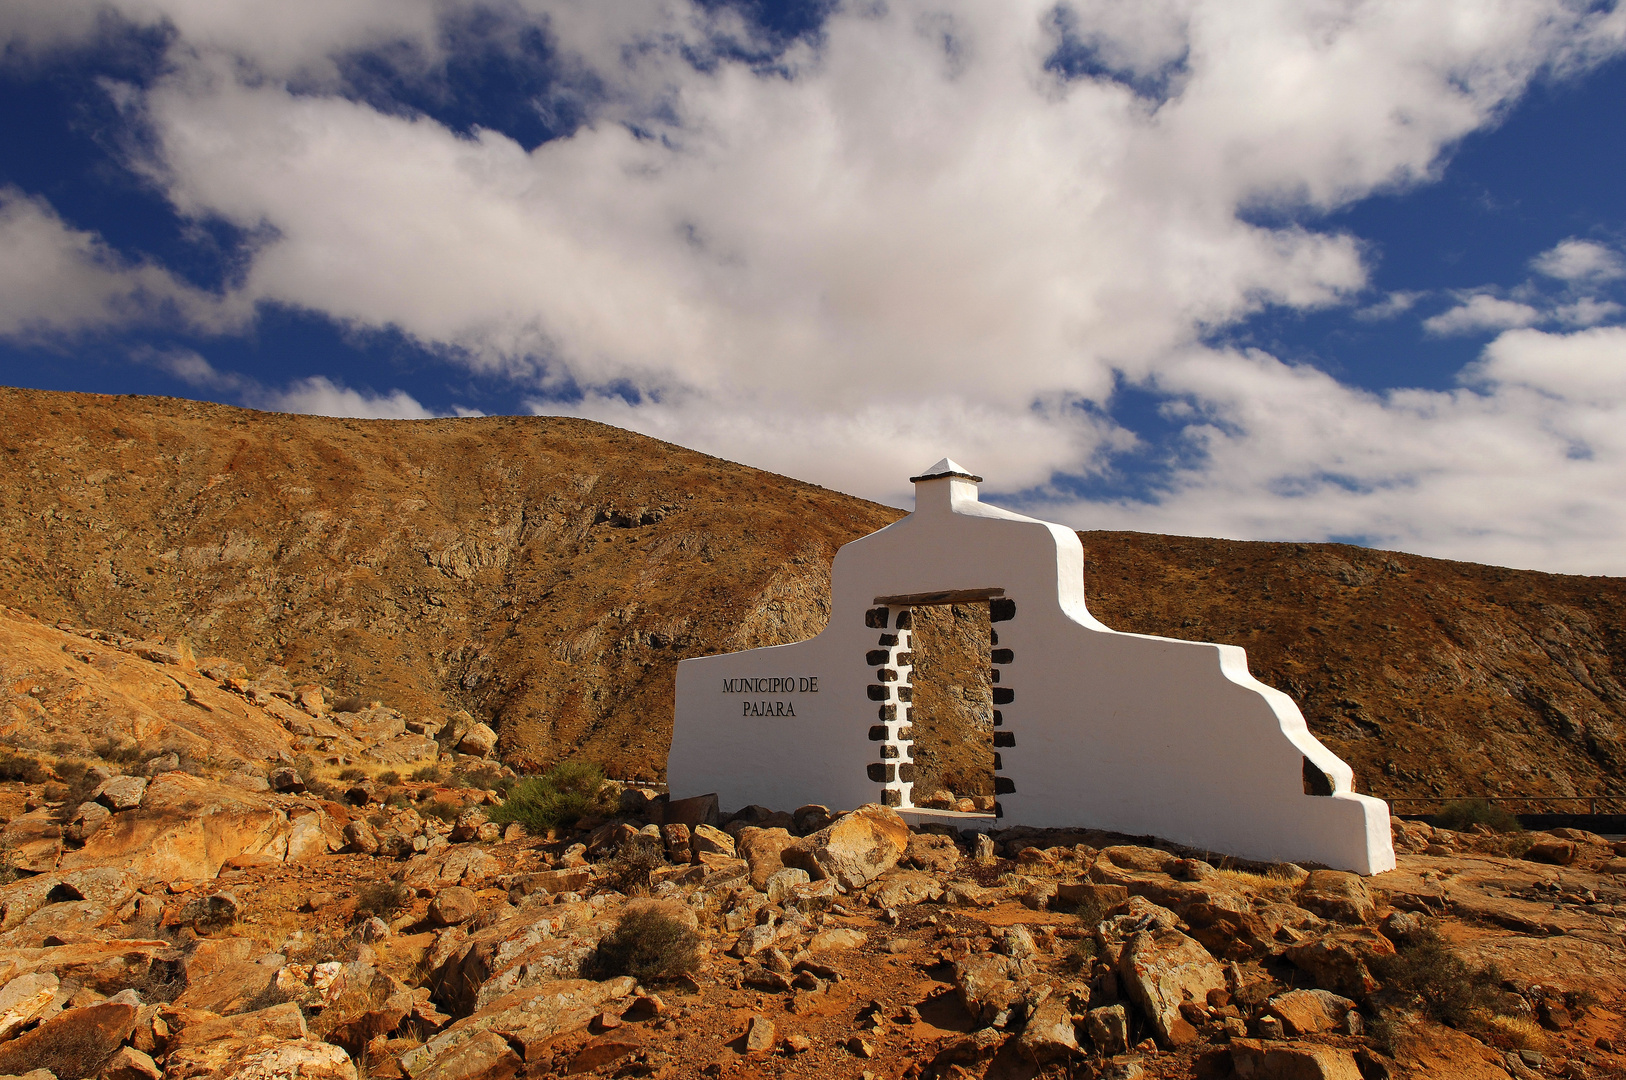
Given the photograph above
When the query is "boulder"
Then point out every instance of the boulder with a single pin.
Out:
(121, 792)
(452, 906)
(1108, 1027)
(200, 1027)
(898, 888)
(23, 999)
(478, 741)
(1337, 895)
(529, 1018)
(359, 837)
(810, 818)
(1340, 961)
(90, 1035)
(286, 779)
(762, 849)
(932, 853)
(131, 1064)
(782, 883)
(1049, 1034)
(759, 1035)
(187, 827)
(260, 1058)
(988, 987)
(86, 820)
(1305, 1012)
(1254, 1060)
(855, 850)
(1161, 970)
(1552, 850)
(679, 843)
(468, 866)
(699, 810)
(708, 840)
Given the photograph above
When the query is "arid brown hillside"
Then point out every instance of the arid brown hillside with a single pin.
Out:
(547, 574)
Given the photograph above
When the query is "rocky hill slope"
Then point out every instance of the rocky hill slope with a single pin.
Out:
(546, 575)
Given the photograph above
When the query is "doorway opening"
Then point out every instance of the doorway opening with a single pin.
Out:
(937, 689)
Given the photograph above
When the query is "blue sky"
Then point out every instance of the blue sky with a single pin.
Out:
(1275, 271)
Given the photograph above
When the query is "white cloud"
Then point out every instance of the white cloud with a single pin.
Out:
(321, 396)
(58, 281)
(317, 395)
(909, 238)
(1391, 306)
(1521, 467)
(1482, 311)
(1580, 261)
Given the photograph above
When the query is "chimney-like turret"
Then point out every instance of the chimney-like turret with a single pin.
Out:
(944, 486)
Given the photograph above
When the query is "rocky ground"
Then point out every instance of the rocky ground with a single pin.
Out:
(201, 928)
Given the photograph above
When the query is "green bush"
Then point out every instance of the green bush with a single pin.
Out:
(561, 796)
(1463, 814)
(629, 869)
(389, 777)
(120, 753)
(21, 767)
(1427, 974)
(441, 809)
(350, 772)
(382, 898)
(649, 945)
(427, 774)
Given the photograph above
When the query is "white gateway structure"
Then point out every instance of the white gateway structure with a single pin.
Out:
(1092, 727)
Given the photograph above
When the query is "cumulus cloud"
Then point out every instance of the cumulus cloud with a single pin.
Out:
(57, 281)
(1482, 311)
(1580, 261)
(1521, 466)
(317, 395)
(913, 235)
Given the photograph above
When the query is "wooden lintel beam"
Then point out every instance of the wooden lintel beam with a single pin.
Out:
(932, 599)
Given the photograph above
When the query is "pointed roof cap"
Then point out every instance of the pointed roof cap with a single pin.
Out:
(946, 467)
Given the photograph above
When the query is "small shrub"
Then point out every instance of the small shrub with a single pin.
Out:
(21, 767)
(486, 777)
(382, 898)
(1082, 955)
(628, 870)
(350, 772)
(649, 945)
(443, 810)
(54, 792)
(1428, 974)
(120, 753)
(389, 777)
(1090, 912)
(561, 796)
(1464, 814)
(427, 774)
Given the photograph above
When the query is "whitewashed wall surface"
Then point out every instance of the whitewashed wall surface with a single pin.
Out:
(1093, 728)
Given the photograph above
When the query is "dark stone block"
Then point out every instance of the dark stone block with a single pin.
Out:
(905, 733)
(888, 640)
(889, 751)
(887, 712)
(891, 797)
(886, 674)
(906, 619)
(878, 733)
(906, 693)
(998, 763)
(906, 772)
(993, 675)
(1004, 785)
(1004, 695)
(999, 811)
(1004, 738)
(1003, 656)
(882, 773)
(905, 658)
(876, 657)
(877, 693)
(1001, 610)
(875, 618)
(999, 718)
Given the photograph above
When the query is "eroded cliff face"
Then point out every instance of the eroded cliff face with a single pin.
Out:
(545, 574)
(548, 574)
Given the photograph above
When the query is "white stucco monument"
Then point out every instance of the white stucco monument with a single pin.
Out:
(1092, 728)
